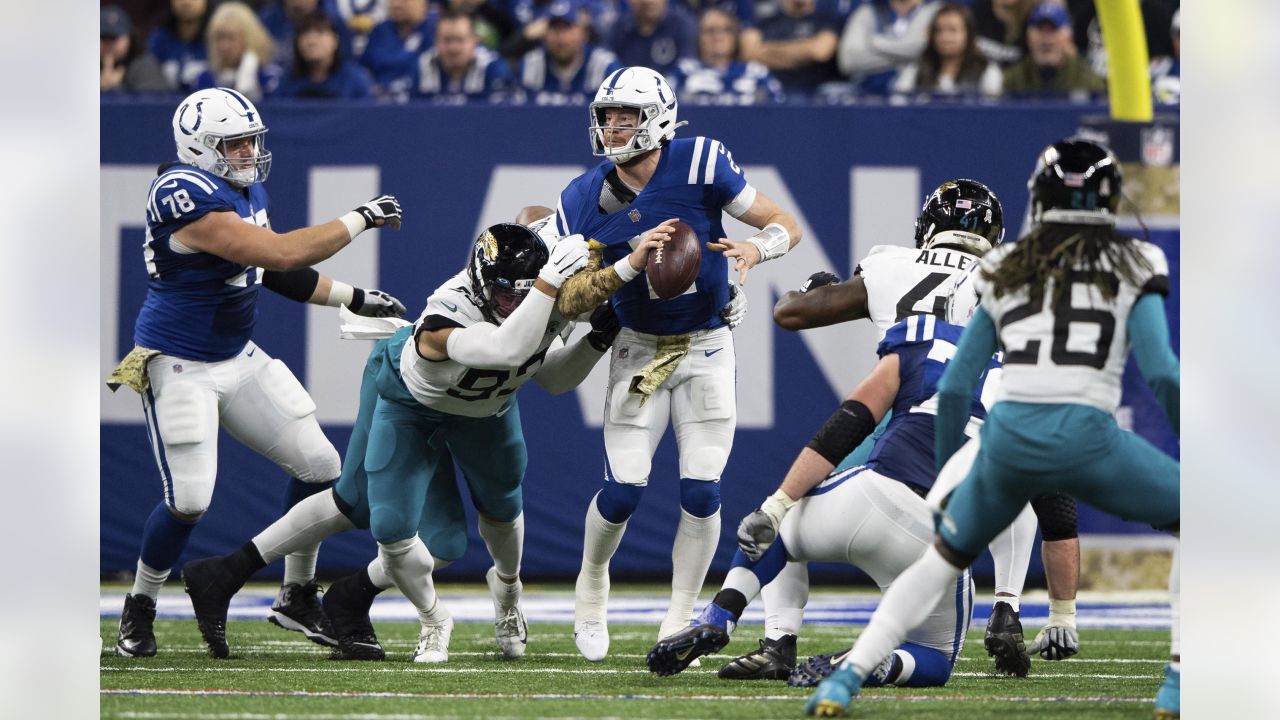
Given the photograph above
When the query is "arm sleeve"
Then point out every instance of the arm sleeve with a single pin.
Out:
(1149, 337)
(566, 366)
(588, 287)
(911, 44)
(495, 347)
(297, 285)
(958, 383)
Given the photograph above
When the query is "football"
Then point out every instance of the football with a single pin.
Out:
(673, 267)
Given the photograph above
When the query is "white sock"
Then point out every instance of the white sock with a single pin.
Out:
(301, 530)
(1011, 551)
(381, 580)
(408, 563)
(784, 601)
(436, 615)
(1175, 607)
(599, 542)
(906, 604)
(505, 541)
(148, 580)
(300, 565)
(1014, 601)
(691, 554)
(744, 581)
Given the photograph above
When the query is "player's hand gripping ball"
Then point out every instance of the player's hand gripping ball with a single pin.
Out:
(673, 266)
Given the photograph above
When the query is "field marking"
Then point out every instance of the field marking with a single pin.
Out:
(401, 668)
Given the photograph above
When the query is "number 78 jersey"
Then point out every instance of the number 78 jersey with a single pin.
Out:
(903, 281)
(1070, 349)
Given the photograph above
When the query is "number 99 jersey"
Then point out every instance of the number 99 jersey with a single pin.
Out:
(454, 388)
(1071, 350)
(903, 281)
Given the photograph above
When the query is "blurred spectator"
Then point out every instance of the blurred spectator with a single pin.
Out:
(881, 37)
(1052, 67)
(240, 52)
(718, 76)
(797, 44)
(179, 42)
(655, 35)
(566, 68)
(361, 17)
(1166, 72)
(742, 10)
(458, 68)
(283, 17)
(319, 69)
(1157, 15)
(395, 45)
(125, 65)
(528, 23)
(491, 19)
(951, 63)
(1002, 29)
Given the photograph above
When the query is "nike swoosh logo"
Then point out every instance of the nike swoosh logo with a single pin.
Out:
(451, 306)
(685, 654)
(709, 353)
(251, 352)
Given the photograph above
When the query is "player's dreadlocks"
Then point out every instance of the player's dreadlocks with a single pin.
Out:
(1052, 250)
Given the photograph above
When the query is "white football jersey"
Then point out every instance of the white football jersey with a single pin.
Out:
(902, 281)
(1072, 351)
(449, 386)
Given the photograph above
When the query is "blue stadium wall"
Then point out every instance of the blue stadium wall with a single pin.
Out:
(854, 176)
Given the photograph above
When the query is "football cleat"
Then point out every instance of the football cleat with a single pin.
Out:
(433, 642)
(509, 627)
(137, 637)
(811, 672)
(347, 607)
(209, 583)
(297, 607)
(592, 639)
(590, 629)
(1168, 699)
(775, 660)
(709, 633)
(834, 693)
(1004, 641)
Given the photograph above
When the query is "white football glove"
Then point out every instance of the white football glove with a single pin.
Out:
(1055, 642)
(568, 256)
(378, 304)
(733, 313)
(382, 210)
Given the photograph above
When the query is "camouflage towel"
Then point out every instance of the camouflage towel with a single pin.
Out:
(132, 370)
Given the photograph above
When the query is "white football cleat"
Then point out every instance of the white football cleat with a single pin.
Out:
(590, 610)
(509, 627)
(433, 643)
(592, 639)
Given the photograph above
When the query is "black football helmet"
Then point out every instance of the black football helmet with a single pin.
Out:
(504, 263)
(1075, 181)
(961, 213)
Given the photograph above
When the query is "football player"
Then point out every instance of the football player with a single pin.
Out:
(209, 247)
(439, 389)
(673, 362)
(1067, 303)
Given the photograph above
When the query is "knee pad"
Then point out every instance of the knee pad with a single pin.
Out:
(284, 391)
(321, 461)
(391, 525)
(1057, 515)
(616, 501)
(705, 463)
(699, 498)
(446, 544)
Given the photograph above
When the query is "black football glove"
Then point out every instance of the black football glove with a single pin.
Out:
(382, 210)
(819, 279)
(604, 327)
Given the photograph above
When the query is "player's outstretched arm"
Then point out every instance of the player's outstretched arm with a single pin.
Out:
(779, 232)
(587, 289)
(229, 237)
(822, 300)
(566, 366)
(959, 380)
(308, 286)
(1149, 338)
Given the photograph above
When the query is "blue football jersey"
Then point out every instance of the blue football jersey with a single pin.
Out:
(924, 344)
(695, 179)
(198, 306)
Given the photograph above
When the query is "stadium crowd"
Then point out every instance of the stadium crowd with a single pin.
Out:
(734, 52)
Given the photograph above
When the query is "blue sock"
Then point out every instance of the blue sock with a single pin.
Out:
(768, 566)
(164, 537)
(699, 498)
(922, 667)
(713, 614)
(296, 491)
(616, 501)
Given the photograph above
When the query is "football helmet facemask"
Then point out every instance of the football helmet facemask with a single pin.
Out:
(1075, 181)
(961, 213)
(504, 263)
(647, 93)
(210, 122)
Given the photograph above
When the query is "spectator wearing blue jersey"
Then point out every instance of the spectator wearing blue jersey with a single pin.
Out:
(361, 17)
(718, 76)
(951, 65)
(458, 69)
(240, 53)
(567, 68)
(125, 65)
(798, 45)
(655, 35)
(179, 42)
(319, 69)
(282, 18)
(882, 37)
(394, 46)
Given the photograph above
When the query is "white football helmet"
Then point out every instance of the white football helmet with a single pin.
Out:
(203, 124)
(646, 92)
(962, 299)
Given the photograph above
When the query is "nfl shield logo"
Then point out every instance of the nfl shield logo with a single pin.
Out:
(623, 353)
(634, 215)
(177, 368)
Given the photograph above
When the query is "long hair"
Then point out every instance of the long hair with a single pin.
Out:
(972, 63)
(316, 21)
(240, 17)
(1052, 250)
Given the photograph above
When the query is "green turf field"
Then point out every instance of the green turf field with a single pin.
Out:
(277, 675)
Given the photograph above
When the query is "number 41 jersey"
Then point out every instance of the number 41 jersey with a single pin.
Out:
(903, 281)
(454, 388)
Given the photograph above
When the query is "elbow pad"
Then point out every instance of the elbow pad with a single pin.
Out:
(297, 285)
(843, 432)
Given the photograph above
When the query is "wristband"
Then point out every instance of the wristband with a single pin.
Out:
(625, 271)
(355, 223)
(773, 241)
(341, 294)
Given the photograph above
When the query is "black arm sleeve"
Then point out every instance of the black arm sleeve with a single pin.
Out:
(297, 285)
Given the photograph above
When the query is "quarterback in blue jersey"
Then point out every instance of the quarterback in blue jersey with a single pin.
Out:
(209, 247)
(1067, 303)
(673, 362)
(873, 516)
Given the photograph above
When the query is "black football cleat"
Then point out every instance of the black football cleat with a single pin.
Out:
(347, 605)
(211, 586)
(137, 637)
(297, 607)
(812, 671)
(774, 660)
(674, 653)
(1004, 641)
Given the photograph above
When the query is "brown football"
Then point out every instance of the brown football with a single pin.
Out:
(673, 267)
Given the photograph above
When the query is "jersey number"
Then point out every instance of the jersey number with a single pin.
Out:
(478, 384)
(906, 306)
(1064, 316)
(179, 202)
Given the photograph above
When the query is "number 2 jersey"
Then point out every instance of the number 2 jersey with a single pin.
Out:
(902, 281)
(198, 306)
(454, 388)
(1072, 349)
